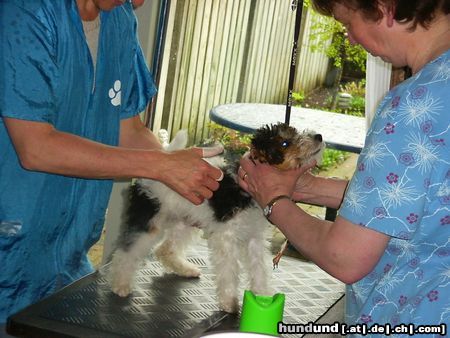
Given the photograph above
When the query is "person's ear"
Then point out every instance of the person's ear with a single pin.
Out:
(388, 12)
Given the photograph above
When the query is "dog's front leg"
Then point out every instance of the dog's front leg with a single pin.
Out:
(224, 254)
(256, 262)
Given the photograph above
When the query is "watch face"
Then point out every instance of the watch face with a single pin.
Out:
(266, 211)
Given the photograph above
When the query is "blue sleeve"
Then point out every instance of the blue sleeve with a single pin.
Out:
(388, 191)
(29, 72)
(141, 86)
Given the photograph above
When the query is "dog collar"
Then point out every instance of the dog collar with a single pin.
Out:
(269, 207)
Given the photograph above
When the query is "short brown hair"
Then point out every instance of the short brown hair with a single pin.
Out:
(418, 12)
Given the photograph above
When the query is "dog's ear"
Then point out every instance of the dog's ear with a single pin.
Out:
(266, 145)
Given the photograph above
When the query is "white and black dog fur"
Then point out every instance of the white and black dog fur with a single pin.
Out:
(160, 220)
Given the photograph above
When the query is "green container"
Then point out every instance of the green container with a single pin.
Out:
(261, 314)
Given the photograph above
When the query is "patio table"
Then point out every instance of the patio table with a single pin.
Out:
(339, 131)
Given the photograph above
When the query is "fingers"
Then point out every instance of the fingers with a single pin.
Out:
(242, 173)
(211, 185)
(242, 177)
(212, 151)
(209, 151)
(192, 176)
(194, 198)
(201, 188)
(214, 172)
(201, 191)
(220, 177)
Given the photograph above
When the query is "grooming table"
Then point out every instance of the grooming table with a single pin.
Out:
(165, 305)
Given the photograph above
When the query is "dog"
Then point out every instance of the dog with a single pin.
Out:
(159, 220)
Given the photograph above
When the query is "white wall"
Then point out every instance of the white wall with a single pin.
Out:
(147, 16)
(378, 79)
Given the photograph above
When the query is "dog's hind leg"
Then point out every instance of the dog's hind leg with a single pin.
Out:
(171, 251)
(127, 257)
(224, 257)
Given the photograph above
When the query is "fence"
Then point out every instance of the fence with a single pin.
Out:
(229, 51)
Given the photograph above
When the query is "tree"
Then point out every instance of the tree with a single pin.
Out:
(330, 37)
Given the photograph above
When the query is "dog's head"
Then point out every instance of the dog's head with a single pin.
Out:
(284, 147)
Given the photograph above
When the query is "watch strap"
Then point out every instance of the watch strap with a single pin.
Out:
(269, 207)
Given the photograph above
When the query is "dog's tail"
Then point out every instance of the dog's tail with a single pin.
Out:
(179, 141)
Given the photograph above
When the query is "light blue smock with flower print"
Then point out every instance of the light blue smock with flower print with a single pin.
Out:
(49, 222)
(401, 187)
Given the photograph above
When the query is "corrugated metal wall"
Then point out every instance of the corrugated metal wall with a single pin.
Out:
(229, 51)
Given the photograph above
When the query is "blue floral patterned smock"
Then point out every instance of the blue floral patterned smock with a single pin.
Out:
(402, 188)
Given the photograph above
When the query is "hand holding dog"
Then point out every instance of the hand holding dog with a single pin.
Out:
(186, 172)
(264, 182)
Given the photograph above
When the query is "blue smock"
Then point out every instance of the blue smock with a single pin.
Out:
(402, 188)
(49, 222)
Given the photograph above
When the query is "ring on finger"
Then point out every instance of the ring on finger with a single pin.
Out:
(245, 176)
(240, 170)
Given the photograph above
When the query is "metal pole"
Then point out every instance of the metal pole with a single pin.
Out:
(298, 7)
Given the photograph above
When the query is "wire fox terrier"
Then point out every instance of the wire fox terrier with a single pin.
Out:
(160, 220)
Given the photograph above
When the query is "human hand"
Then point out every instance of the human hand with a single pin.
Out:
(264, 182)
(186, 172)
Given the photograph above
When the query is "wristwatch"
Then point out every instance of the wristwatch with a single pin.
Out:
(269, 207)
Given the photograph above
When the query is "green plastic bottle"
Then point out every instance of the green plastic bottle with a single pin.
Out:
(261, 314)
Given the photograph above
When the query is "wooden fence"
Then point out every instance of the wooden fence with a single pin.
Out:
(228, 51)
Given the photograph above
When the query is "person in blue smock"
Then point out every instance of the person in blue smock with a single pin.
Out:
(391, 241)
(73, 81)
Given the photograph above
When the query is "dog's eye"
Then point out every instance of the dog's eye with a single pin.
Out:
(285, 144)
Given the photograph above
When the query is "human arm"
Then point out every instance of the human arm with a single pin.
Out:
(325, 191)
(134, 134)
(343, 249)
(40, 147)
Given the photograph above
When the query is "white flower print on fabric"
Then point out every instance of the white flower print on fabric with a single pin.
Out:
(441, 70)
(419, 106)
(375, 154)
(355, 199)
(422, 150)
(396, 195)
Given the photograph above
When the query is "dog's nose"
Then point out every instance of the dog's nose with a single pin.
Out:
(318, 137)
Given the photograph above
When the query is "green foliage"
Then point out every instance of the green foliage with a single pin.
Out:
(355, 88)
(298, 97)
(331, 158)
(233, 141)
(358, 106)
(329, 36)
(358, 103)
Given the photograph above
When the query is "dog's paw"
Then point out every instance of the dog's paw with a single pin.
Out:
(229, 305)
(122, 290)
(189, 271)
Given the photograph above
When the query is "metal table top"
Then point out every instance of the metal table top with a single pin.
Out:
(164, 305)
(341, 132)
